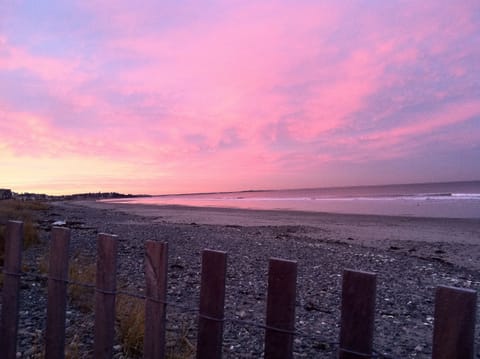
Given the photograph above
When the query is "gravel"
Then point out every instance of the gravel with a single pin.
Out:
(405, 283)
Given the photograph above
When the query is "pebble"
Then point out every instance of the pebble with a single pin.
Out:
(405, 283)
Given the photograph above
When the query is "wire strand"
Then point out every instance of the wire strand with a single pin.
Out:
(186, 309)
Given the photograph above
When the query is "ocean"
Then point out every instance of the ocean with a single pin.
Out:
(445, 200)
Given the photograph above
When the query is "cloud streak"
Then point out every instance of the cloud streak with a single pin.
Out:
(180, 96)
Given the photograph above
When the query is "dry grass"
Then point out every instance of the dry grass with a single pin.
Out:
(130, 315)
(178, 344)
(82, 270)
(25, 211)
(72, 349)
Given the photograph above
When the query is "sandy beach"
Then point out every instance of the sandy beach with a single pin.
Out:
(411, 256)
(452, 240)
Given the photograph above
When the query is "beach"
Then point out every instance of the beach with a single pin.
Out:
(411, 256)
(457, 239)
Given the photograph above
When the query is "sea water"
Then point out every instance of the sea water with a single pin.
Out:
(447, 200)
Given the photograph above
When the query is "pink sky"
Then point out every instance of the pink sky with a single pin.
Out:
(187, 96)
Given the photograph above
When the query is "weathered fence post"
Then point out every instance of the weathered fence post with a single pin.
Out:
(156, 267)
(11, 288)
(358, 314)
(280, 321)
(105, 295)
(212, 301)
(57, 293)
(454, 326)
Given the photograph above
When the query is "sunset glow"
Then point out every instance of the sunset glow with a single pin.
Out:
(187, 96)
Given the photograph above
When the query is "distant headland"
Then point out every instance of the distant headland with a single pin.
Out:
(6, 193)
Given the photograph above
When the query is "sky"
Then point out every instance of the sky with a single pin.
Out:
(196, 96)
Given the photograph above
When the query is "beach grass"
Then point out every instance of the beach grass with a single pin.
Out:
(81, 270)
(25, 211)
(129, 315)
(130, 318)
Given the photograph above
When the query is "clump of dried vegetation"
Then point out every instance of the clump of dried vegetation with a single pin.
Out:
(178, 344)
(130, 315)
(81, 270)
(25, 211)
(130, 312)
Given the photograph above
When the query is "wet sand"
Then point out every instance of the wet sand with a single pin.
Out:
(451, 240)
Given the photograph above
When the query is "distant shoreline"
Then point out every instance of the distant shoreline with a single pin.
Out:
(113, 194)
(449, 203)
(462, 236)
(364, 186)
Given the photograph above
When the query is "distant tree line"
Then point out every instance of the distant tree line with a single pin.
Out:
(26, 196)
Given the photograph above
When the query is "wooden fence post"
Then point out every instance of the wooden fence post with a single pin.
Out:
(454, 325)
(358, 314)
(105, 295)
(156, 267)
(57, 293)
(212, 301)
(280, 320)
(11, 288)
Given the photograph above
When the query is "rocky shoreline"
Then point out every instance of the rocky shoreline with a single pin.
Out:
(407, 274)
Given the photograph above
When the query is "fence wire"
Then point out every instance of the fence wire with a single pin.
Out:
(185, 309)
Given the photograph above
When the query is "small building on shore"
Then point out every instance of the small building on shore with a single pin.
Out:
(5, 193)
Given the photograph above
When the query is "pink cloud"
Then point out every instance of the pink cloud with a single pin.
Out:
(427, 123)
(47, 68)
(422, 129)
(268, 87)
(236, 63)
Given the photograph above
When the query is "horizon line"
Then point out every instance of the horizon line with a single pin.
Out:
(246, 190)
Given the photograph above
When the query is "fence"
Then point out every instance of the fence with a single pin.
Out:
(454, 322)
